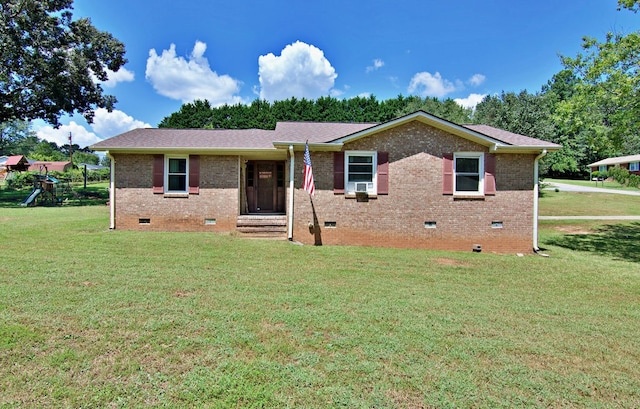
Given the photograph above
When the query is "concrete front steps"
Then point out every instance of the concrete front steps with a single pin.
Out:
(262, 226)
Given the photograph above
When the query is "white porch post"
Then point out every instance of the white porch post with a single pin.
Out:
(292, 162)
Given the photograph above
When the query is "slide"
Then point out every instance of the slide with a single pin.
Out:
(31, 197)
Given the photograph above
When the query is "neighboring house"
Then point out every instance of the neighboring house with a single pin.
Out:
(631, 163)
(417, 181)
(48, 166)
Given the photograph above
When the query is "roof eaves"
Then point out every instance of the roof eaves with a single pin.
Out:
(184, 150)
(525, 148)
(316, 147)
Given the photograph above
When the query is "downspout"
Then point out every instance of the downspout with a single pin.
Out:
(536, 191)
(112, 193)
(292, 161)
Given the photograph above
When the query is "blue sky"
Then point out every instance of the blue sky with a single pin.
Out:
(237, 51)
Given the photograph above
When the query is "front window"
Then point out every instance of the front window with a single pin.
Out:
(469, 173)
(176, 175)
(360, 175)
(602, 168)
(634, 166)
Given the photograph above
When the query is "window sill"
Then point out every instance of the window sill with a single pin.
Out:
(356, 196)
(468, 197)
(176, 195)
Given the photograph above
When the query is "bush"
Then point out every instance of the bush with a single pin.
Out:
(20, 180)
(619, 174)
(633, 181)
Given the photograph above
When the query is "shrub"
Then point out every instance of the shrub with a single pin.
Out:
(619, 174)
(20, 180)
(633, 181)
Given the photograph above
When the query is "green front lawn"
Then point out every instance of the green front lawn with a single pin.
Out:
(588, 204)
(97, 318)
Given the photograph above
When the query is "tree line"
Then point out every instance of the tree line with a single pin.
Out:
(544, 115)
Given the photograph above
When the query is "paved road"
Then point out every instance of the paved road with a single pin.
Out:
(563, 187)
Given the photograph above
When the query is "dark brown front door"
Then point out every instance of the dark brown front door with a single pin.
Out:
(265, 187)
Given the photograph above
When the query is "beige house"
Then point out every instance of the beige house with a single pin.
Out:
(417, 181)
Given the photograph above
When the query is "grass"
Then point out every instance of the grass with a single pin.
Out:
(97, 318)
(609, 184)
(588, 204)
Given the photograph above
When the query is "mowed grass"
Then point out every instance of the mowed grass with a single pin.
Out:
(97, 318)
(588, 204)
(608, 184)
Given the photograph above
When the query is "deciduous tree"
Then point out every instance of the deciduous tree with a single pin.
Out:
(50, 64)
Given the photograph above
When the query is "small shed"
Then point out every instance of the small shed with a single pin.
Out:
(16, 163)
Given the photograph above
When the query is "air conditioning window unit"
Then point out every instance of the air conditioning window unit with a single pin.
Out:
(361, 187)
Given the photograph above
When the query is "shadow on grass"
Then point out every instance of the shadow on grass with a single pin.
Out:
(619, 241)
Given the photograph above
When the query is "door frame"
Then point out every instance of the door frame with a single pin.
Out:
(278, 186)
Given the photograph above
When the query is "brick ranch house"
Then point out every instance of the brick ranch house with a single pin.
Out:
(417, 181)
(631, 163)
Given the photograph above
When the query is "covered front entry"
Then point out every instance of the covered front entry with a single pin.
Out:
(265, 187)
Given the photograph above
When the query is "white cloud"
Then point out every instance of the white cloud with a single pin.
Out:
(187, 80)
(300, 71)
(471, 101)
(80, 135)
(432, 85)
(377, 63)
(107, 124)
(476, 79)
(113, 78)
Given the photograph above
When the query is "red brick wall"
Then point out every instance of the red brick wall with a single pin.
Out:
(415, 197)
(397, 219)
(135, 200)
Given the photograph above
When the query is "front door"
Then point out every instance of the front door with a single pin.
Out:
(265, 187)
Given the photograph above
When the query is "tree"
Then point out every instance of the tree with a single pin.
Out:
(606, 104)
(47, 151)
(49, 63)
(85, 157)
(446, 109)
(633, 5)
(16, 138)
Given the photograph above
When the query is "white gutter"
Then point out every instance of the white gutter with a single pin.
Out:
(112, 193)
(536, 191)
(292, 161)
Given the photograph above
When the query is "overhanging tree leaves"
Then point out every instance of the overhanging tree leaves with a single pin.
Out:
(606, 105)
(49, 63)
(632, 5)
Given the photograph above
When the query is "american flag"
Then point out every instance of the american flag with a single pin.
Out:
(308, 184)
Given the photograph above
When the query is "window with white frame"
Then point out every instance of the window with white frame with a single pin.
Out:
(634, 167)
(176, 174)
(360, 172)
(602, 168)
(468, 168)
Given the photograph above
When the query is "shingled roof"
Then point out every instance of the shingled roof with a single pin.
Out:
(507, 137)
(615, 161)
(319, 134)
